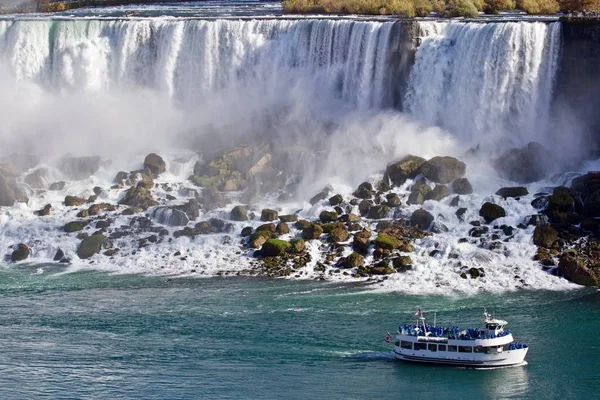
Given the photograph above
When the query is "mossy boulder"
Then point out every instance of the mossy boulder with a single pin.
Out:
(268, 215)
(73, 201)
(392, 200)
(514, 191)
(462, 186)
(328, 216)
(339, 235)
(364, 191)
(90, 245)
(327, 228)
(402, 263)
(275, 248)
(335, 200)
(282, 228)
(239, 213)
(378, 212)
(138, 197)
(297, 245)
(155, 164)
(302, 224)
(404, 169)
(381, 270)
(354, 260)
(74, 226)
(270, 227)
(288, 218)
(573, 267)
(364, 206)
(421, 218)
(258, 238)
(360, 242)
(313, 231)
(491, 212)
(443, 169)
(20, 253)
(545, 236)
(384, 241)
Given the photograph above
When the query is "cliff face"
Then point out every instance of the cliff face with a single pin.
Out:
(577, 95)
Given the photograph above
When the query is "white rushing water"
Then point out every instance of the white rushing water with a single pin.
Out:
(122, 88)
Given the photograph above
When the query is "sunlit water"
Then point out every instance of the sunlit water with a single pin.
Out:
(88, 335)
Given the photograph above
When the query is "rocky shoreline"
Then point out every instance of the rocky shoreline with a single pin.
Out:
(369, 234)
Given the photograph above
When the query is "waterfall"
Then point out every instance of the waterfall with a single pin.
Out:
(485, 83)
(191, 61)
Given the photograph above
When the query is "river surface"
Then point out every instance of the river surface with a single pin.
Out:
(93, 335)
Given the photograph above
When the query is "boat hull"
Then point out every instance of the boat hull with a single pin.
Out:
(506, 358)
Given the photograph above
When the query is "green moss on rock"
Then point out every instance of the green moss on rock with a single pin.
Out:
(275, 247)
(384, 241)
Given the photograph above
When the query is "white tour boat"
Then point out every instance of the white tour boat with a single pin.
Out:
(488, 346)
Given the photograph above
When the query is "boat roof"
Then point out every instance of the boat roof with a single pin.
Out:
(496, 321)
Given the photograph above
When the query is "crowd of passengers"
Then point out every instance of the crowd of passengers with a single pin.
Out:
(450, 333)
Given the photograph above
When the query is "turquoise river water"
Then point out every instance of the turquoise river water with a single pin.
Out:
(93, 335)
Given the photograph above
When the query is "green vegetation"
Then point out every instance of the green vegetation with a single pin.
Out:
(383, 241)
(450, 8)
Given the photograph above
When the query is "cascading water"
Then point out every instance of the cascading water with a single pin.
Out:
(488, 83)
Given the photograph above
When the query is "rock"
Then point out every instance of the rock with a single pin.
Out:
(544, 256)
(274, 248)
(74, 226)
(170, 216)
(282, 228)
(258, 238)
(524, 165)
(155, 164)
(59, 255)
(10, 191)
(288, 218)
(364, 206)
(297, 246)
(421, 219)
(406, 248)
(404, 169)
(381, 270)
(239, 213)
(462, 186)
(73, 201)
(574, 269)
(402, 263)
(443, 169)
(545, 236)
(338, 235)
(37, 179)
(90, 245)
(515, 191)
(313, 231)
(328, 216)
(393, 200)
(364, 191)
(138, 197)
(21, 253)
(349, 218)
(56, 186)
(247, 231)
(44, 211)
(378, 212)
(120, 177)
(335, 200)
(387, 242)
(268, 215)
(302, 224)
(438, 193)
(322, 195)
(460, 213)
(474, 273)
(540, 202)
(490, 212)
(354, 260)
(591, 207)
(79, 168)
(212, 198)
(454, 202)
(418, 192)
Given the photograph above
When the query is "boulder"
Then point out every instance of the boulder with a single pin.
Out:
(56, 186)
(191, 209)
(138, 197)
(288, 218)
(246, 231)
(170, 216)
(393, 200)
(364, 206)
(335, 200)
(364, 191)
(524, 165)
(460, 213)
(328, 216)
(282, 228)
(313, 231)
(545, 236)
(302, 224)
(354, 260)
(90, 245)
(59, 255)
(381, 270)
(20, 253)
(37, 179)
(514, 191)
(322, 195)
(443, 169)
(349, 218)
(360, 243)
(404, 169)
(462, 186)
(239, 213)
(74, 226)
(418, 192)
(79, 168)
(378, 212)
(275, 248)
(591, 207)
(490, 212)
(268, 215)
(297, 246)
(120, 177)
(438, 193)
(338, 235)
(421, 219)
(258, 238)
(44, 211)
(73, 201)
(402, 263)
(573, 267)
(387, 242)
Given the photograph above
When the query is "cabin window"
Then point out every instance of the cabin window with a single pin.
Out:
(397, 343)
(452, 348)
(441, 347)
(420, 346)
(406, 345)
(465, 349)
(478, 349)
(432, 347)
